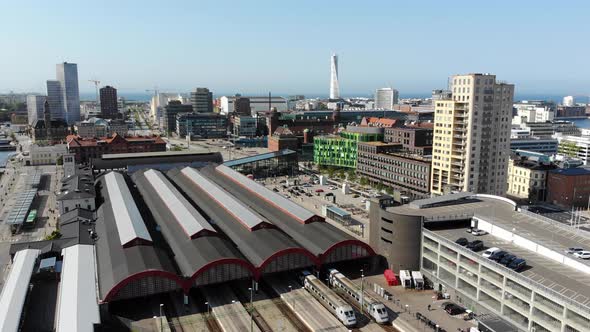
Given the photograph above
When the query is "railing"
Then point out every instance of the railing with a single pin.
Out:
(512, 274)
(552, 222)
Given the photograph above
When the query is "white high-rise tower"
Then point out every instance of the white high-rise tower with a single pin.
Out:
(334, 86)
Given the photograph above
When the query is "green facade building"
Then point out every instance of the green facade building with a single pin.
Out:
(341, 150)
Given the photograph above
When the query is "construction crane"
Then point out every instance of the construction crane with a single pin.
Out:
(96, 83)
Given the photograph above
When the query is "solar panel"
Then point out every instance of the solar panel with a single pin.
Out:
(231, 204)
(187, 216)
(129, 222)
(277, 200)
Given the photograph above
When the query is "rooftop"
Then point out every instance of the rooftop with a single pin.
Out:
(259, 157)
(571, 171)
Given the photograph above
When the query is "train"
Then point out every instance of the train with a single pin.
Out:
(336, 305)
(371, 306)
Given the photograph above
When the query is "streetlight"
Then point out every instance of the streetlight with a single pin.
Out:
(362, 291)
(161, 323)
(292, 300)
(251, 309)
(208, 307)
(437, 327)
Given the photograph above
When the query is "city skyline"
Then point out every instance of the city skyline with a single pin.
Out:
(422, 51)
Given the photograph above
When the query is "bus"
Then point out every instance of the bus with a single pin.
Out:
(31, 219)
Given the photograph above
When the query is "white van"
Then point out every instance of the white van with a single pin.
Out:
(490, 252)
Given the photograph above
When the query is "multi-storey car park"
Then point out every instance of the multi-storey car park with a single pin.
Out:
(552, 293)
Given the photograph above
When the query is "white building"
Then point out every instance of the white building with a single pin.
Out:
(385, 98)
(46, 155)
(77, 191)
(334, 84)
(531, 112)
(162, 99)
(568, 101)
(574, 147)
(35, 108)
(67, 75)
(257, 104)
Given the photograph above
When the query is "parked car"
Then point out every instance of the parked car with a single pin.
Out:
(573, 250)
(582, 254)
(517, 264)
(462, 241)
(356, 196)
(454, 309)
(498, 255)
(506, 260)
(478, 232)
(488, 253)
(476, 245)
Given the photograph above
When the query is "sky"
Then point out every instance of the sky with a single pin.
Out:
(256, 46)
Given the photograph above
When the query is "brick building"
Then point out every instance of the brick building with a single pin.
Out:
(282, 138)
(86, 148)
(568, 187)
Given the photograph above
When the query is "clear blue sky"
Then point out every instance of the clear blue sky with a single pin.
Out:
(284, 46)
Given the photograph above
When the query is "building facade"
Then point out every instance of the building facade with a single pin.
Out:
(109, 107)
(334, 84)
(471, 141)
(396, 167)
(202, 100)
(341, 150)
(201, 125)
(46, 155)
(171, 110)
(281, 139)
(575, 147)
(528, 179)
(385, 98)
(569, 187)
(67, 75)
(55, 100)
(242, 106)
(86, 148)
(257, 104)
(35, 108)
(542, 145)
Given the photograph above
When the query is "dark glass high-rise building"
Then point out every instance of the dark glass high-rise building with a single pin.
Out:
(108, 102)
(202, 100)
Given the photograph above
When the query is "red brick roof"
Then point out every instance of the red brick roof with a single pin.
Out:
(75, 140)
(378, 122)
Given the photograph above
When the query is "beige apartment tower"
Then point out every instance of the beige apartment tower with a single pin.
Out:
(471, 144)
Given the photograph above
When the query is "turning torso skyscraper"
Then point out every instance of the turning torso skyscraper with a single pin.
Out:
(334, 86)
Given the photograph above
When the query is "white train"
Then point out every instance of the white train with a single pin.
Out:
(337, 306)
(371, 306)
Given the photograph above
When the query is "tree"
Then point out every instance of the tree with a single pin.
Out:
(340, 173)
(54, 235)
(364, 181)
(60, 160)
(331, 171)
(351, 176)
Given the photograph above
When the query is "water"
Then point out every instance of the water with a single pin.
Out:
(4, 156)
(581, 123)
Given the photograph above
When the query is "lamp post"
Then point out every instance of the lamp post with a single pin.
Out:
(251, 309)
(207, 304)
(362, 290)
(161, 322)
(292, 300)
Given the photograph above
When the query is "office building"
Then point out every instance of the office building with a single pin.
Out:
(202, 100)
(109, 103)
(201, 125)
(85, 149)
(35, 108)
(67, 75)
(471, 142)
(527, 179)
(543, 145)
(575, 147)
(257, 104)
(160, 100)
(246, 126)
(170, 112)
(385, 98)
(242, 106)
(568, 101)
(341, 150)
(570, 112)
(55, 100)
(334, 84)
(533, 111)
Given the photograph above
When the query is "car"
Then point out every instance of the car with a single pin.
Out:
(454, 309)
(498, 255)
(488, 253)
(517, 264)
(478, 232)
(476, 245)
(573, 250)
(462, 241)
(506, 260)
(356, 196)
(582, 254)
(275, 190)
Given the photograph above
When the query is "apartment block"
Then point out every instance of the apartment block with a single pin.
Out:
(471, 143)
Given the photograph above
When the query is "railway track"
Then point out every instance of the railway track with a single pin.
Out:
(283, 308)
(361, 318)
(258, 319)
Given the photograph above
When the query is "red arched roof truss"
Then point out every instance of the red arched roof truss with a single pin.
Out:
(284, 252)
(143, 274)
(345, 243)
(222, 261)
